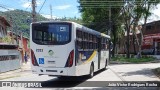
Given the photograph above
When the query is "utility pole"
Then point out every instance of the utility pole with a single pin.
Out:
(33, 11)
(51, 11)
(109, 31)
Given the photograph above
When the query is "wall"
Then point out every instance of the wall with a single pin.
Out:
(9, 60)
(25, 45)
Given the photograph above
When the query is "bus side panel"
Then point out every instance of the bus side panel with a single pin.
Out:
(96, 62)
(83, 67)
(84, 58)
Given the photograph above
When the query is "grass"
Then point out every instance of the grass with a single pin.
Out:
(133, 60)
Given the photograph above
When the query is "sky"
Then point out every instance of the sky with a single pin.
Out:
(60, 8)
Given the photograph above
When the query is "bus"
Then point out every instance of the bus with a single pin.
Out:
(64, 48)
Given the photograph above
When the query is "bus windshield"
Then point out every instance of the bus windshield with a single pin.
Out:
(51, 33)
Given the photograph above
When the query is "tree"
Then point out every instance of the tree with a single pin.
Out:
(95, 15)
(128, 13)
(132, 13)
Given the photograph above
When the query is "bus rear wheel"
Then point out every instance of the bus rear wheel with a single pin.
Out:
(91, 74)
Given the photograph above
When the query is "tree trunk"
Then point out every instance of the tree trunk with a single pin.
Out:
(128, 51)
(134, 47)
(114, 41)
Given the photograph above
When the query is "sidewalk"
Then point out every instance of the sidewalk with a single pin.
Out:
(23, 71)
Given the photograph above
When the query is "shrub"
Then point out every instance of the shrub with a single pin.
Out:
(7, 39)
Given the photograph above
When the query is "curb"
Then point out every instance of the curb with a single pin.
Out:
(118, 62)
(13, 74)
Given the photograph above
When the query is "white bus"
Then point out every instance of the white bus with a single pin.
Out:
(66, 48)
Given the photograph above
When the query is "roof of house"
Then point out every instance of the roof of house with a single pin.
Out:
(153, 22)
(5, 21)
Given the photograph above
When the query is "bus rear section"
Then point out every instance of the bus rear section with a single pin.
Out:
(52, 49)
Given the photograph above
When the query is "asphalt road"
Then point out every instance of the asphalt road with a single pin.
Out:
(114, 74)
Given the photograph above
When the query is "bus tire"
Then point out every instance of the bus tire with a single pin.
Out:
(91, 73)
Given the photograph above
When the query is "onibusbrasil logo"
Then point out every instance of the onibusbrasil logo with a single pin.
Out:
(50, 52)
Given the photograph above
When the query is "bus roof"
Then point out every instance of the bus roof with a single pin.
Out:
(81, 27)
(53, 22)
(104, 35)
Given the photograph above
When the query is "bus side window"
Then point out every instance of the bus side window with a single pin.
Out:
(90, 44)
(83, 36)
(78, 35)
(94, 42)
(90, 37)
(105, 45)
(79, 39)
(108, 42)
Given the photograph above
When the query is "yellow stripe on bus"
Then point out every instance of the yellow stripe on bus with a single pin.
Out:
(91, 57)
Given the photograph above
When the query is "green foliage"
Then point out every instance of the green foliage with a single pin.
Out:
(95, 14)
(21, 20)
(6, 39)
(133, 60)
(77, 20)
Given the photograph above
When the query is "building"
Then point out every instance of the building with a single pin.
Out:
(151, 40)
(24, 46)
(9, 54)
(22, 41)
(151, 43)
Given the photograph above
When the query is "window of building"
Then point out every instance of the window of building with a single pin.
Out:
(149, 27)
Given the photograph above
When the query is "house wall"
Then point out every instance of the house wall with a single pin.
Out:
(149, 29)
(152, 28)
(9, 60)
(25, 44)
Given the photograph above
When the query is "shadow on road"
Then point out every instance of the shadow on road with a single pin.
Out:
(146, 72)
(68, 81)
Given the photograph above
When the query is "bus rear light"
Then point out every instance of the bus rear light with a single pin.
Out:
(69, 62)
(33, 59)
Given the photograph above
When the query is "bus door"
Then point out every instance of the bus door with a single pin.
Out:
(99, 52)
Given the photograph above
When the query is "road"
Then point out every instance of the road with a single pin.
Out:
(121, 72)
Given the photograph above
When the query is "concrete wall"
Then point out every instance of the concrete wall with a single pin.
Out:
(9, 60)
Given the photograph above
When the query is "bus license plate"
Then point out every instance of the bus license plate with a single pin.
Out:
(51, 62)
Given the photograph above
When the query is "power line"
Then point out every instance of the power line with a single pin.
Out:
(42, 6)
(4, 7)
(28, 7)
